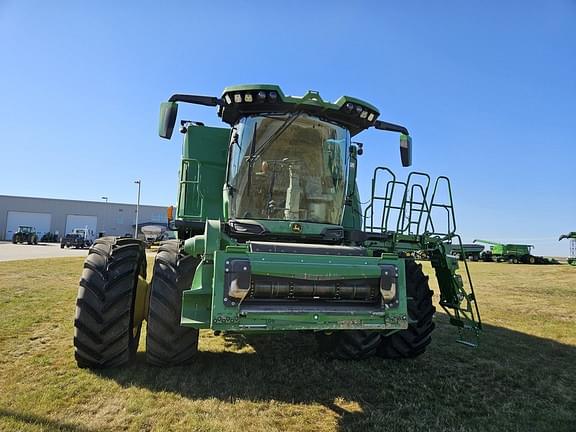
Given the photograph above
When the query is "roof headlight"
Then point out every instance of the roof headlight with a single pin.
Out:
(228, 99)
(273, 96)
(248, 97)
(364, 114)
(261, 96)
(371, 117)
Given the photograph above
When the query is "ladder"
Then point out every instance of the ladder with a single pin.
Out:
(415, 220)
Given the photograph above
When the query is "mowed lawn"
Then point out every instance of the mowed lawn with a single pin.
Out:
(521, 377)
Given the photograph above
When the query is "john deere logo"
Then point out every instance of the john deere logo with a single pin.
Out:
(296, 227)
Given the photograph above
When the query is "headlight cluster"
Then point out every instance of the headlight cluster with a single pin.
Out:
(248, 97)
(359, 110)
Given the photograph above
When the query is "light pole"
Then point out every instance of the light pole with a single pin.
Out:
(105, 199)
(139, 182)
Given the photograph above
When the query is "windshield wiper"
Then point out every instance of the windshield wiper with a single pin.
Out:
(278, 132)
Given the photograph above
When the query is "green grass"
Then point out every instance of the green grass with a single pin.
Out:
(522, 377)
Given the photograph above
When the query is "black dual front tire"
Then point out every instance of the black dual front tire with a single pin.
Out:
(167, 343)
(413, 341)
(105, 334)
(348, 344)
(409, 343)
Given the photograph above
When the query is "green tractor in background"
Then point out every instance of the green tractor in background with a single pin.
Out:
(572, 237)
(272, 238)
(25, 234)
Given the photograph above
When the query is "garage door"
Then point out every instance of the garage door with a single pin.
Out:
(81, 221)
(40, 221)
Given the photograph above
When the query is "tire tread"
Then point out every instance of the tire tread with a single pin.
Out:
(168, 343)
(413, 341)
(105, 301)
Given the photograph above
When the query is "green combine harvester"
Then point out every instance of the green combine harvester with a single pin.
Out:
(511, 253)
(272, 238)
(572, 237)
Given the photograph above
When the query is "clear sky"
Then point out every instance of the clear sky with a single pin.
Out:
(487, 90)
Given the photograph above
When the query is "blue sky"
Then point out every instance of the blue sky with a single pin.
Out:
(487, 90)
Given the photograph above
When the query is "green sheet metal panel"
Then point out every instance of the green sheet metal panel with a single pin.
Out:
(199, 312)
(517, 249)
(202, 173)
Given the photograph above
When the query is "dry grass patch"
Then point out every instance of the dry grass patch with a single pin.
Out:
(522, 377)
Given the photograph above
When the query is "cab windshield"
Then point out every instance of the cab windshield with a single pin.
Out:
(288, 167)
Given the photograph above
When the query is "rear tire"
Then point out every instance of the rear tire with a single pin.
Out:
(104, 331)
(413, 341)
(167, 343)
(348, 344)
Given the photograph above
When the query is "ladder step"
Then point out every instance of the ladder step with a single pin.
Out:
(457, 322)
(467, 343)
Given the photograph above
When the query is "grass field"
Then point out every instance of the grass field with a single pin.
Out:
(522, 377)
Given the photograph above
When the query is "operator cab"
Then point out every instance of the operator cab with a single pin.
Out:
(288, 167)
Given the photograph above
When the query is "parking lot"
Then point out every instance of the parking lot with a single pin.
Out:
(12, 252)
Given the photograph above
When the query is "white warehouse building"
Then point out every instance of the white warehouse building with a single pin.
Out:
(60, 216)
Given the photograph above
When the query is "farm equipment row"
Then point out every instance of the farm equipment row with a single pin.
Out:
(511, 253)
(78, 238)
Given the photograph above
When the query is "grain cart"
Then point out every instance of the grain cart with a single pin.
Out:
(25, 234)
(572, 237)
(272, 238)
(472, 252)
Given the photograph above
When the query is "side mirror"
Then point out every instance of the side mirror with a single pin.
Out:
(168, 113)
(406, 150)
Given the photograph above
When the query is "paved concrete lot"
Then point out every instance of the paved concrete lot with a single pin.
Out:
(13, 252)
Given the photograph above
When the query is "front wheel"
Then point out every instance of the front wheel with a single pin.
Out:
(105, 332)
(348, 344)
(167, 343)
(413, 341)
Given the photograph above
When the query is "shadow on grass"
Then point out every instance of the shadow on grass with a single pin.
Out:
(513, 381)
(44, 422)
